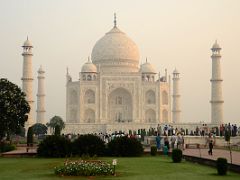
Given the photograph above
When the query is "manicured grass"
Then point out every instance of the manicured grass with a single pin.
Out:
(141, 168)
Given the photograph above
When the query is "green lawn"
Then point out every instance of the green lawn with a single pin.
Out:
(127, 169)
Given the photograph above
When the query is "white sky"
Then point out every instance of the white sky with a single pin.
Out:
(173, 33)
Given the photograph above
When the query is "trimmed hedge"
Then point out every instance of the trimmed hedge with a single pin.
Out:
(177, 155)
(54, 146)
(5, 147)
(153, 150)
(222, 166)
(125, 147)
(88, 145)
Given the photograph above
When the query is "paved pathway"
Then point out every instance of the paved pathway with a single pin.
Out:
(20, 151)
(203, 153)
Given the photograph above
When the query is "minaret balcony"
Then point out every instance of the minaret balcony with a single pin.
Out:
(214, 80)
(216, 101)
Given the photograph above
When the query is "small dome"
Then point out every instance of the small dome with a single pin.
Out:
(175, 71)
(40, 70)
(216, 46)
(89, 67)
(148, 68)
(27, 43)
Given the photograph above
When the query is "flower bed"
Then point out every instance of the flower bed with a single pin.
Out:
(84, 168)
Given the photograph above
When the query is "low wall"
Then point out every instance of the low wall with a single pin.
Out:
(209, 162)
(83, 128)
(219, 141)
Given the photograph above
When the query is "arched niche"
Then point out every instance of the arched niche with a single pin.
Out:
(164, 98)
(73, 97)
(73, 116)
(89, 77)
(165, 116)
(120, 106)
(150, 97)
(89, 116)
(89, 97)
(150, 116)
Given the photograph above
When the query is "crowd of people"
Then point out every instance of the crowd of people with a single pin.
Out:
(169, 137)
(203, 130)
(108, 137)
(175, 141)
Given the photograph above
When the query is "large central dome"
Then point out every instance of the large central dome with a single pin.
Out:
(117, 51)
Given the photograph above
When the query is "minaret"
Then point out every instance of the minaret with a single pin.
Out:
(27, 79)
(216, 82)
(176, 98)
(41, 97)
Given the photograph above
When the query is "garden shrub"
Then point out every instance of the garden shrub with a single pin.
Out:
(5, 147)
(30, 136)
(54, 146)
(88, 144)
(222, 166)
(84, 168)
(125, 147)
(177, 155)
(153, 150)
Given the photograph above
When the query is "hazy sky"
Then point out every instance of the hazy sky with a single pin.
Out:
(172, 33)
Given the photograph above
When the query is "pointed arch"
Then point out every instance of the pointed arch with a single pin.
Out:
(73, 97)
(120, 106)
(89, 97)
(164, 98)
(89, 116)
(150, 116)
(150, 97)
(73, 116)
(165, 116)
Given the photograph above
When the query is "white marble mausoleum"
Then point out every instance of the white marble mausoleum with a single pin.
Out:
(115, 92)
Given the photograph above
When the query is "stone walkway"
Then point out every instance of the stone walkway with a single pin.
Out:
(203, 153)
(21, 152)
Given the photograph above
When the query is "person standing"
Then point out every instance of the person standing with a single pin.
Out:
(173, 140)
(179, 141)
(166, 141)
(210, 144)
(158, 141)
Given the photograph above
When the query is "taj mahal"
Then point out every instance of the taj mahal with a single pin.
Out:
(115, 92)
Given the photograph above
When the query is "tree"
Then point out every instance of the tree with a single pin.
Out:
(13, 108)
(54, 121)
(39, 129)
(57, 131)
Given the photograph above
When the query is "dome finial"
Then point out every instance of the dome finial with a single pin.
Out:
(67, 71)
(115, 20)
(88, 59)
(146, 59)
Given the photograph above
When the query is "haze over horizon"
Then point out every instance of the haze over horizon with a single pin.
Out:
(170, 33)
